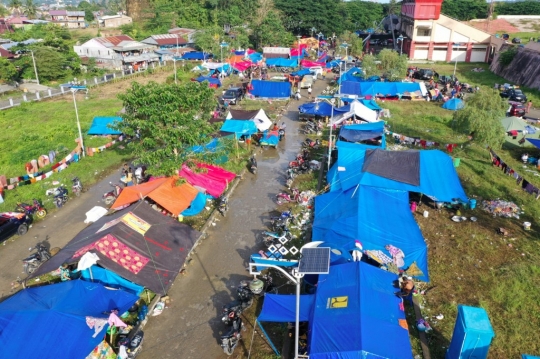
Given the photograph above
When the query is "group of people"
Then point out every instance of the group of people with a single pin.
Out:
(127, 175)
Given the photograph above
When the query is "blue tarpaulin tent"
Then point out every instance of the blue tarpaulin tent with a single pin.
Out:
(535, 142)
(374, 216)
(352, 75)
(301, 72)
(51, 321)
(269, 138)
(281, 62)
(453, 104)
(240, 128)
(210, 79)
(331, 64)
(196, 55)
(371, 104)
(383, 88)
(357, 315)
(362, 132)
(197, 205)
(271, 89)
(110, 279)
(322, 108)
(209, 147)
(282, 308)
(255, 57)
(437, 175)
(102, 126)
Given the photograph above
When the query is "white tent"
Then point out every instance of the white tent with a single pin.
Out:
(260, 118)
(357, 109)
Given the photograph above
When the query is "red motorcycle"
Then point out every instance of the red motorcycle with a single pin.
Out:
(30, 210)
(287, 198)
(111, 196)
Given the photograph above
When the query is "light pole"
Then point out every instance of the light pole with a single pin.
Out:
(73, 91)
(298, 41)
(35, 68)
(319, 35)
(346, 46)
(457, 44)
(222, 45)
(313, 30)
(400, 39)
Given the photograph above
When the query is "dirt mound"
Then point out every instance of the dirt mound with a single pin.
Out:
(499, 25)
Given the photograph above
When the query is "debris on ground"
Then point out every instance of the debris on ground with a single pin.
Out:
(501, 208)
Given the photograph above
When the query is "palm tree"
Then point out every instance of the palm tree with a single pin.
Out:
(15, 6)
(30, 9)
(3, 11)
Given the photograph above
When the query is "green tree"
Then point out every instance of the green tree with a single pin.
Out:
(354, 44)
(3, 11)
(168, 118)
(529, 7)
(481, 117)
(30, 9)
(88, 10)
(302, 15)
(50, 63)
(392, 65)
(7, 70)
(271, 32)
(15, 6)
(358, 14)
(466, 9)
(369, 66)
(208, 40)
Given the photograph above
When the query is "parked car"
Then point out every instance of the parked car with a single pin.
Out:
(516, 109)
(307, 81)
(424, 74)
(516, 40)
(514, 95)
(233, 95)
(316, 71)
(13, 223)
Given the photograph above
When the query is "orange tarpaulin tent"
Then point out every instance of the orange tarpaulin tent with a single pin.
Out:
(163, 191)
(235, 58)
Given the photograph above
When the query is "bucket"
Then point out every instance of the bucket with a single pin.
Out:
(527, 226)
(426, 214)
(456, 162)
(472, 203)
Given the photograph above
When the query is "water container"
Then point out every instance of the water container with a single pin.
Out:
(456, 162)
(426, 214)
(472, 203)
(527, 226)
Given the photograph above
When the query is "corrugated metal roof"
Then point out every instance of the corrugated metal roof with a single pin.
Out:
(111, 41)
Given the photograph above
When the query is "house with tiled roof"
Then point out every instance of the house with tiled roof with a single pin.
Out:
(16, 21)
(69, 19)
(5, 28)
(166, 41)
(188, 34)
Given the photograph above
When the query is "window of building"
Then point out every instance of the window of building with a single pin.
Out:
(423, 32)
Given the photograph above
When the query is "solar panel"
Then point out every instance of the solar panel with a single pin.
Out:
(314, 261)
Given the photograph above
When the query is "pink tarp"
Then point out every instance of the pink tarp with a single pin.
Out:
(214, 181)
(242, 66)
(298, 52)
(308, 63)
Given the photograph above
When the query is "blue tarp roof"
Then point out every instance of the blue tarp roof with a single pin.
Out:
(357, 315)
(239, 127)
(197, 205)
(255, 57)
(526, 356)
(352, 76)
(210, 79)
(269, 138)
(438, 177)
(209, 147)
(322, 108)
(453, 104)
(282, 62)
(371, 104)
(110, 279)
(365, 131)
(535, 142)
(301, 72)
(282, 308)
(374, 216)
(50, 321)
(196, 55)
(373, 88)
(271, 89)
(332, 63)
(100, 126)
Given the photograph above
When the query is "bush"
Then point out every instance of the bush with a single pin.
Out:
(506, 57)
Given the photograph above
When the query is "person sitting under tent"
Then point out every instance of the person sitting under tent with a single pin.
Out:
(357, 251)
(406, 286)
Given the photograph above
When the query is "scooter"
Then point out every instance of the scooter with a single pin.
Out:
(133, 346)
(237, 307)
(280, 223)
(140, 175)
(33, 261)
(285, 197)
(35, 208)
(223, 205)
(76, 188)
(230, 340)
(60, 195)
(111, 196)
(253, 165)
(309, 143)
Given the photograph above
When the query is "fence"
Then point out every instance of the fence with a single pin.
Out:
(53, 92)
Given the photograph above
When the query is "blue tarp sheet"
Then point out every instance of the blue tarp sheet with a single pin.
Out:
(534, 142)
(453, 104)
(530, 130)
(438, 177)
(271, 89)
(100, 126)
(210, 79)
(270, 138)
(301, 72)
(322, 108)
(353, 75)
(374, 216)
(110, 279)
(350, 88)
(196, 55)
(525, 356)
(197, 205)
(371, 104)
(357, 315)
(282, 308)
(239, 127)
(209, 147)
(50, 321)
(282, 62)
(332, 64)
(357, 133)
(255, 57)
(385, 88)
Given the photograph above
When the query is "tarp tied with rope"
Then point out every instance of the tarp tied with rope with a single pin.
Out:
(139, 244)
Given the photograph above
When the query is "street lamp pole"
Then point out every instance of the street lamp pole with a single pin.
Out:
(319, 35)
(298, 37)
(400, 38)
(346, 46)
(78, 122)
(455, 64)
(35, 68)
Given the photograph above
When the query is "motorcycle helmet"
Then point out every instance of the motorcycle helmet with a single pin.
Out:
(256, 286)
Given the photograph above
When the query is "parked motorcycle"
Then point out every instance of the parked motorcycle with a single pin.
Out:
(230, 340)
(223, 205)
(285, 197)
(309, 143)
(282, 222)
(133, 346)
(253, 165)
(111, 196)
(237, 307)
(33, 261)
(36, 208)
(60, 195)
(76, 188)
(140, 175)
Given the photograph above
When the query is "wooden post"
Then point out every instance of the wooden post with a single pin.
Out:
(236, 145)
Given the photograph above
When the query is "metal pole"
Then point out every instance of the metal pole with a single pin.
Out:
(330, 137)
(401, 51)
(35, 68)
(175, 81)
(455, 64)
(78, 123)
(297, 320)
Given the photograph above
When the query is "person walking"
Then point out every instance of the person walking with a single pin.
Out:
(529, 105)
(309, 92)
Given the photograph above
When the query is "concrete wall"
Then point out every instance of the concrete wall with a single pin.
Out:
(523, 70)
(117, 22)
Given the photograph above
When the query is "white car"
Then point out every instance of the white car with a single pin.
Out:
(316, 71)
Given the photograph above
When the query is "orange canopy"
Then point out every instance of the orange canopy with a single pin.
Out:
(163, 191)
(235, 58)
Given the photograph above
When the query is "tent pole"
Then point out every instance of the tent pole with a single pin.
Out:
(266, 336)
(330, 138)
(297, 320)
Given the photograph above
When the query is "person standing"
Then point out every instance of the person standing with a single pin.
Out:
(529, 105)
(309, 92)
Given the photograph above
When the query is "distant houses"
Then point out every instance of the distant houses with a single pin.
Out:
(69, 19)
